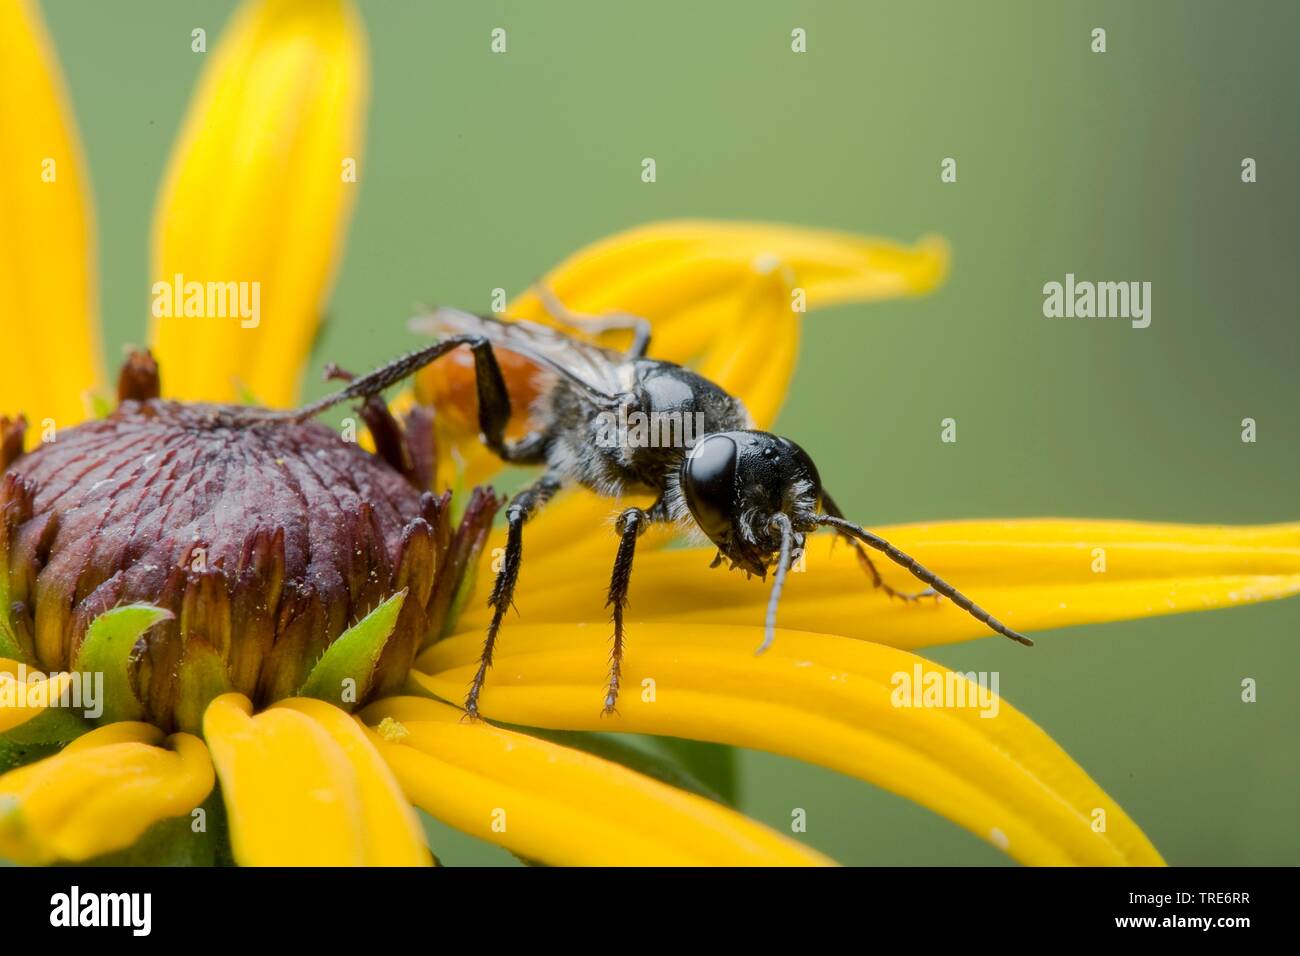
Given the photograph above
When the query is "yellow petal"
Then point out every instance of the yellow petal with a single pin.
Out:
(676, 271)
(305, 789)
(47, 285)
(101, 793)
(713, 289)
(256, 193)
(816, 698)
(26, 694)
(1033, 574)
(393, 831)
(762, 344)
(721, 296)
(557, 805)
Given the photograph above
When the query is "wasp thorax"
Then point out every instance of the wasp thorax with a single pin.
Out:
(265, 540)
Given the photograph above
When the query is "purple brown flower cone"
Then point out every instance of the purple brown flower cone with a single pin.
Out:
(266, 540)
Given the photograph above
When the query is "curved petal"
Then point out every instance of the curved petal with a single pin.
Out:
(101, 793)
(721, 296)
(628, 271)
(47, 256)
(557, 805)
(393, 830)
(256, 192)
(26, 695)
(304, 788)
(698, 282)
(1033, 574)
(820, 699)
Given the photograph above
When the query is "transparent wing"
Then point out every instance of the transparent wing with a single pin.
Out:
(602, 373)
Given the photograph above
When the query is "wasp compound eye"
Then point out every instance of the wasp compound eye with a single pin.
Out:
(709, 484)
(265, 542)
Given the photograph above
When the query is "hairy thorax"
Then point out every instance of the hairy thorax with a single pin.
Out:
(636, 447)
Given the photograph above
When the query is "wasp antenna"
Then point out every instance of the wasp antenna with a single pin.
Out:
(905, 560)
(778, 581)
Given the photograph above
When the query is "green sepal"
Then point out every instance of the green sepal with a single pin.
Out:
(13, 755)
(108, 649)
(352, 658)
(665, 766)
(459, 497)
(203, 678)
(464, 591)
(54, 725)
(175, 842)
(714, 764)
(9, 644)
(101, 404)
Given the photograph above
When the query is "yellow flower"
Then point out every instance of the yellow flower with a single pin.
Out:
(256, 193)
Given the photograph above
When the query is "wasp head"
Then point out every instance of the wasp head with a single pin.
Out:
(748, 489)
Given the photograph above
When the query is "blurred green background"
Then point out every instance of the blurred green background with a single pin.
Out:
(484, 170)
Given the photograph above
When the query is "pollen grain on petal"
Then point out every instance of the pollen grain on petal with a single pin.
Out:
(393, 731)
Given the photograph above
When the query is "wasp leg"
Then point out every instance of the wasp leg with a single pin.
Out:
(631, 524)
(831, 508)
(879, 582)
(611, 322)
(522, 507)
(494, 411)
(494, 408)
(493, 399)
(903, 559)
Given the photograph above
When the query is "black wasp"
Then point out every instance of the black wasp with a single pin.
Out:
(754, 494)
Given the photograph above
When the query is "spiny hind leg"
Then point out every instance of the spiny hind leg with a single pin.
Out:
(631, 524)
(879, 582)
(831, 508)
(917, 570)
(522, 507)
